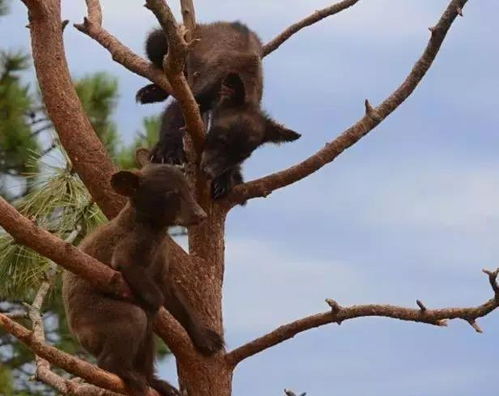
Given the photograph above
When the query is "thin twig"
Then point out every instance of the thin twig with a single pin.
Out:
(421, 306)
(92, 27)
(338, 314)
(43, 366)
(311, 19)
(189, 18)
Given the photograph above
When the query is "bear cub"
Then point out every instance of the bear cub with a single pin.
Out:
(120, 333)
(224, 70)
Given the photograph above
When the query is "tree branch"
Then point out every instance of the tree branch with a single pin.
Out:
(310, 20)
(189, 17)
(84, 148)
(101, 276)
(71, 387)
(339, 314)
(174, 64)
(61, 359)
(34, 313)
(27, 233)
(43, 371)
(92, 27)
(373, 116)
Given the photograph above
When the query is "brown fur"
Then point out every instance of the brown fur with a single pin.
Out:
(225, 74)
(119, 333)
(223, 48)
(226, 48)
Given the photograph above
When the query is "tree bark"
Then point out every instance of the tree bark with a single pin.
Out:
(206, 377)
(202, 280)
(87, 153)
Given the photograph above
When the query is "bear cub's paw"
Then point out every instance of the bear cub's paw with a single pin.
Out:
(165, 154)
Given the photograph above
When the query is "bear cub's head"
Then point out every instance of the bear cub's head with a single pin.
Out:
(238, 127)
(159, 193)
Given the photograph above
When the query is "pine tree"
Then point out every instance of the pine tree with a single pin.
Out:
(16, 103)
(38, 178)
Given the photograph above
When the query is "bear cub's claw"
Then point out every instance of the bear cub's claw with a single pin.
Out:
(162, 154)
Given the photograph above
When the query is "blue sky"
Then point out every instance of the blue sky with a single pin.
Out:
(411, 212)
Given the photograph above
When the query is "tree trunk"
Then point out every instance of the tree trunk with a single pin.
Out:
(202, 282)
(206, 377)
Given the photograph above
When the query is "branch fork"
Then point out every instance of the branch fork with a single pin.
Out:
(174, 63)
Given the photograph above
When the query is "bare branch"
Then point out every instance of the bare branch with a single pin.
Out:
(173, 64)
(87, 154)
(374, 115)
(92, 27)
(421, 306)
(71, 387)
(61, 359)
(475, 326)
(339, 314)
(35, 316)
(189, 17)
(94, 11)
(311, 19)
(101, 276)
(493, 280)
(43, 371)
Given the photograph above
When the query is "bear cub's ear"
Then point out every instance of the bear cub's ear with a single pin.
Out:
(277, 133)
(125, 183)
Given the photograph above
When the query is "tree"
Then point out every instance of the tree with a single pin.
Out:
(57, 200)
(17, 145)
(204, 264)
(3, 7)
(51, 194)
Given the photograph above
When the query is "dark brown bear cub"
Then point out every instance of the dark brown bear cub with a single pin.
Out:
(238, 128)
(225, 74)
(119, 333)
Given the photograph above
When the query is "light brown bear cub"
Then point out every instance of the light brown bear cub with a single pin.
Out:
(117, 332)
